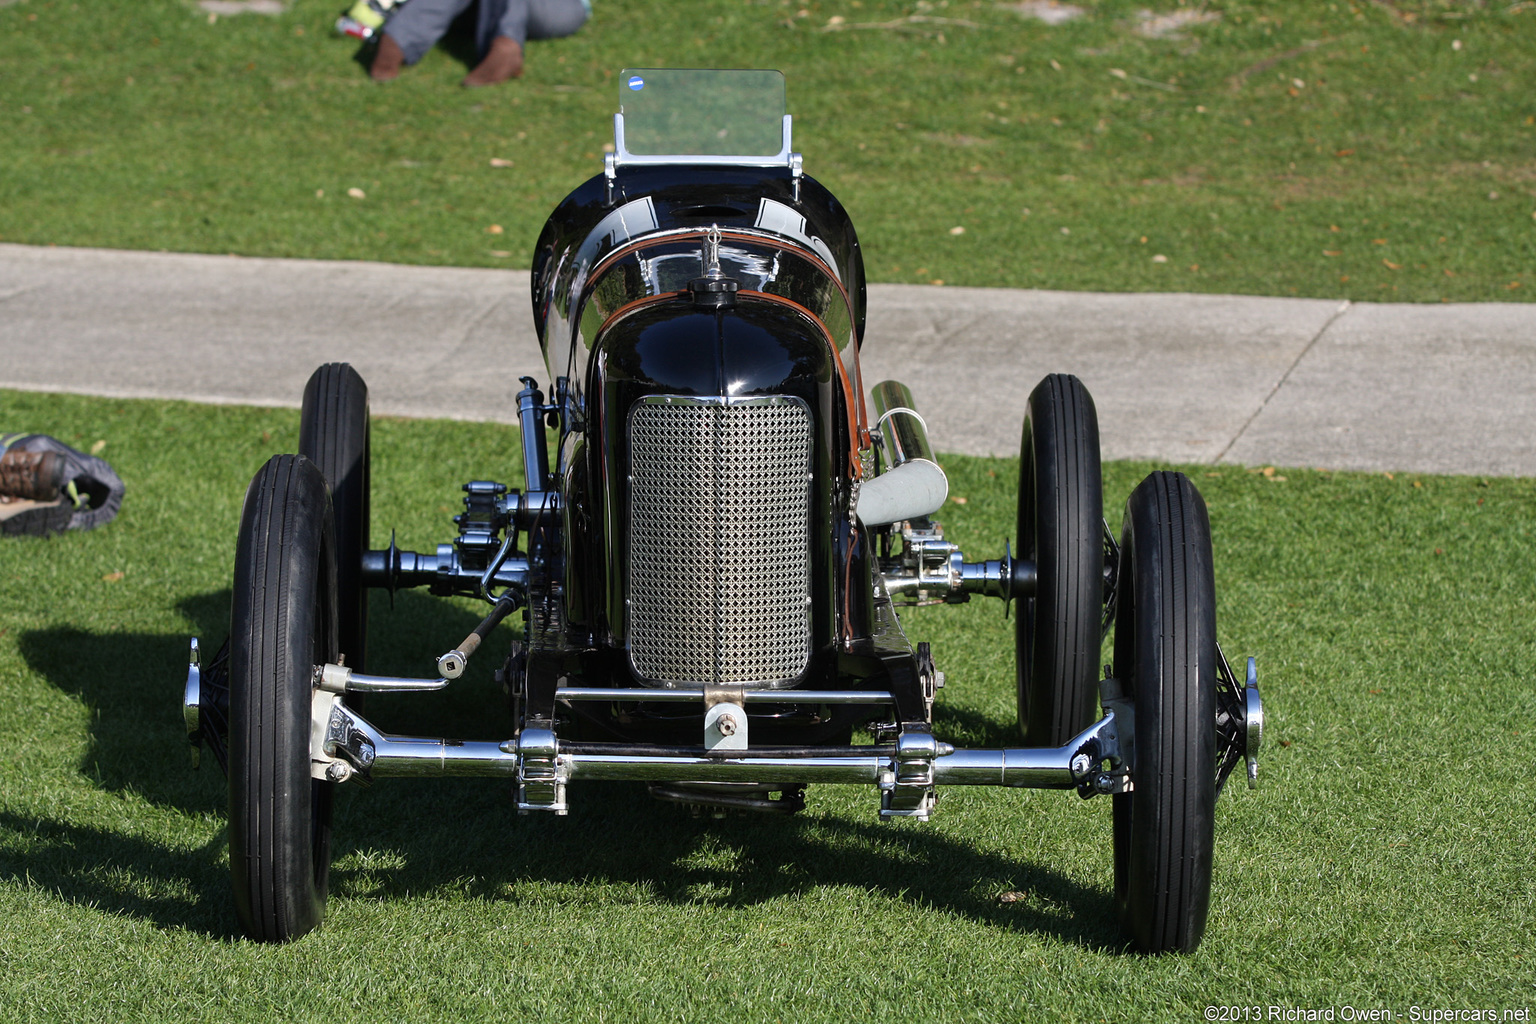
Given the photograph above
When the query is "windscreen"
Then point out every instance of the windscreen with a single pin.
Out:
(696, 112)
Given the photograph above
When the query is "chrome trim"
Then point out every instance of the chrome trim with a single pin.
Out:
(907, 787)
(340, 679)
(192, 703)
(930, 569)
(540, 775)
(683, 695)
(1034, 767)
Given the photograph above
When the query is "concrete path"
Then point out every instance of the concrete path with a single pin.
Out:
(1186, 378)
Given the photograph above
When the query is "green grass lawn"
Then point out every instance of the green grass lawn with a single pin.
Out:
(1365, 149)
(1384, 862)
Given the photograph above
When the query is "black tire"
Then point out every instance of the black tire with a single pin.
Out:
(334, 434)
(282, 624)
(1058, 631)
(1165, 660)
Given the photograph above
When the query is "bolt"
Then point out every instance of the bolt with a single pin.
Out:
(726, 723)
(1081, 764)
(338, 771)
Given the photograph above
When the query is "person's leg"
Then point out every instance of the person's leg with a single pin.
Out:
(415, 27)
(504, 25)
(555, 19)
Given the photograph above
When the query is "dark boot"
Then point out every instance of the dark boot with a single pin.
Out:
(504, 61)
(387, 60)
(38, 476)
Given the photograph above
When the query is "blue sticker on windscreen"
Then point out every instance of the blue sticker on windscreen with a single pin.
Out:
(637, 83)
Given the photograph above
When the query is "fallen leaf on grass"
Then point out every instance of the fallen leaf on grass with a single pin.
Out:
(1333, 252)
(1012, 897)
(957, 230)
(1051, 12)
(357, 193)
(98, 446)
(1391, 266)
(497, 161)
(1167, 26)
(112, 577)
(495, 229)
(959, 500)
(1159, 258)
(500, 254)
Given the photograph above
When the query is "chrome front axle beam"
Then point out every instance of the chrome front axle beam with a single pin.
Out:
(345, 745)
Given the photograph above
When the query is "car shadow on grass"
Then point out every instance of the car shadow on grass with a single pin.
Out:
(133, 682)
(115, 872)
(465, 835)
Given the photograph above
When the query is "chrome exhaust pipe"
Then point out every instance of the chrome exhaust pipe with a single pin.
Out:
(913, 485)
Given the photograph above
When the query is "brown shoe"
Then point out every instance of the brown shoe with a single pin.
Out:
(38, 476)
(504, 61)
(387, 60)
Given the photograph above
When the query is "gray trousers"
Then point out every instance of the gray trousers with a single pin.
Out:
(418, 24)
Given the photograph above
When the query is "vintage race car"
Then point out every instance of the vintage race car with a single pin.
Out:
(708, 575)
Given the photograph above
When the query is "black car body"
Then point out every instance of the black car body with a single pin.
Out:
(708, 573)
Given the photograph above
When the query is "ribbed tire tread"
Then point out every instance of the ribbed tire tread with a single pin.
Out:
(334, 434)
(282, 622)
(1165, 657)
(1058, 631)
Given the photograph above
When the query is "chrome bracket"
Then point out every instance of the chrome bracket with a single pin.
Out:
(339, 748)
(907, 784)
(541, 777)
(725, 718)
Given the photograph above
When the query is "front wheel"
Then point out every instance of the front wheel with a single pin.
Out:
(1058, 630)
(283, 623)
(1166, 663)
(334, 435)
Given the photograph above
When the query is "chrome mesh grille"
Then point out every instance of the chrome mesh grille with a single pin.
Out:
(719, 540)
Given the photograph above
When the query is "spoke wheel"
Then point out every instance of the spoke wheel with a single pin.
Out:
(1058, 630)
(283, 623)
(1166, 663)
(334, 434)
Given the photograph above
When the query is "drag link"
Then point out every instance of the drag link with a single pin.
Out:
(451, 665)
